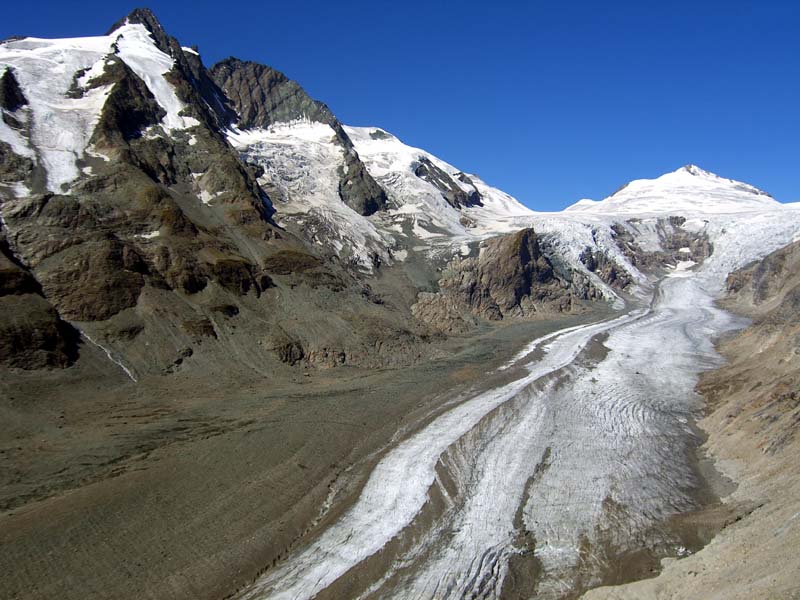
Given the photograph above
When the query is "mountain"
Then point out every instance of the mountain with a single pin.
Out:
(202, 270)
(264, 97)
(688, 190)
(172, 185)
(143, 227)
(179, 202)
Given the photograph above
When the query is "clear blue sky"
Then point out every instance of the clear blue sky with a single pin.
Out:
(550, 101)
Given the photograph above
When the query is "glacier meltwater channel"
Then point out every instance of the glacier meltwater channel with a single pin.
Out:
(590, 448)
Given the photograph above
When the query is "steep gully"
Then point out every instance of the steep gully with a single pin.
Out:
(540, 484)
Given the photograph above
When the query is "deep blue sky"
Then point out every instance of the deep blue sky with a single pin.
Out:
(550, 101)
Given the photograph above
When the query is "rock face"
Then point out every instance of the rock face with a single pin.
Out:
(263, 96)
(605, 268)
(675, 244)
(129, 109)
(31, 333)
(511, 277)
(11, 96)
(164, 225)
(450, 190)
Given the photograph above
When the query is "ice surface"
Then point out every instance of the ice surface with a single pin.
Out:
(398, 487)
(301, 160)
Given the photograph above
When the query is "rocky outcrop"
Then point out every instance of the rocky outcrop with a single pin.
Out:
(11, 96)
(31, 333)
(769, 285)
(263, 96)
(129, 109)
(675, 244)
(605, 268)
(511, 277)
(450, 190)
(13, 168)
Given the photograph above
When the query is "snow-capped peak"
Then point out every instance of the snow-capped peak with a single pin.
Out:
(62, 123)
(394, 164)
(688, 190)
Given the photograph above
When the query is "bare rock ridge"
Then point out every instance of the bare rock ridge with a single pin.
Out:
(193, 84)
(511, 277)
(263, 96)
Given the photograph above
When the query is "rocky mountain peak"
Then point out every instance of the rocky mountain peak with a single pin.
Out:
(263, 96)
(146, 17)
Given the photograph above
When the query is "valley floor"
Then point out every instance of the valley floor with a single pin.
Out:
(188, 488)
(571, 474)
(579, 466)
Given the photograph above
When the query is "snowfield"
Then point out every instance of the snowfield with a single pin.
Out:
(301, 166)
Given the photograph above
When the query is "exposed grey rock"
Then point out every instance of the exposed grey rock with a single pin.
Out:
(609, 271)
(263, 96)
(31, 333)
(13, 167)
(769, 287)
(129, 109)
(673, 239)
(511, 277)
(450, 190)
(379, 134)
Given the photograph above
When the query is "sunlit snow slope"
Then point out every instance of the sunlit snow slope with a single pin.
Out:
(690, 189)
